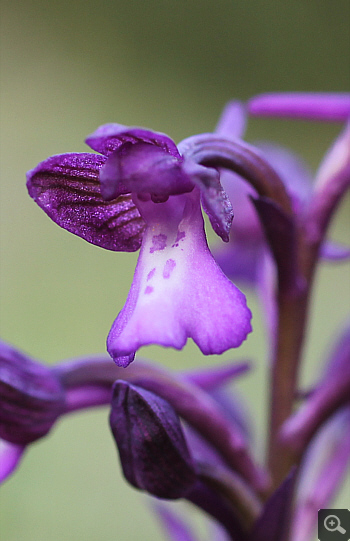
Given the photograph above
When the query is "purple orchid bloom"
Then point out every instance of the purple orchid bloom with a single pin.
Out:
(141, 192)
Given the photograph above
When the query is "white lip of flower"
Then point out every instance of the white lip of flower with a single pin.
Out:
(178, 291)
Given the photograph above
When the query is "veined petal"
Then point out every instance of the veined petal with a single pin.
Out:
(178, 291)
(67, 188)
(326, 106)
(107, 138)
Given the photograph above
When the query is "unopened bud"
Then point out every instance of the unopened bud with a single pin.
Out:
(31, 397)
(151, 444)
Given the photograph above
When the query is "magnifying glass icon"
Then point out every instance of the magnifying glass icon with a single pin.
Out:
(332, 524)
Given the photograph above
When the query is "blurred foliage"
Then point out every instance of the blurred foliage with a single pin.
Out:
(67, 67)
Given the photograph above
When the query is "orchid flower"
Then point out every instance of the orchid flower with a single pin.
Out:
(141, 192)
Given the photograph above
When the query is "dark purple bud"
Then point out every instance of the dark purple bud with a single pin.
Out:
(152, 448)
(31, 397)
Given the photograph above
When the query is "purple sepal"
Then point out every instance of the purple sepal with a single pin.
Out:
(174, 527)
(32, 397)
(152, 448)
(143, 168)
(232, 122)
(332, 183)
(10, 456)
(108, 137)
(311, 106)
(280, 232)
(274, 522)
(67, 188)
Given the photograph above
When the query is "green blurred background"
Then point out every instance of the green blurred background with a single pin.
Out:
(67, 67)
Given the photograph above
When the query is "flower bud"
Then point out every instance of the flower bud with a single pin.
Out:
(152, 448)
(31, 397)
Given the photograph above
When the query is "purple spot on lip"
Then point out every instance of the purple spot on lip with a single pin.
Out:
(148, 290)
(151, 274)
(180, 235)
(158, 243)
(169, 266)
